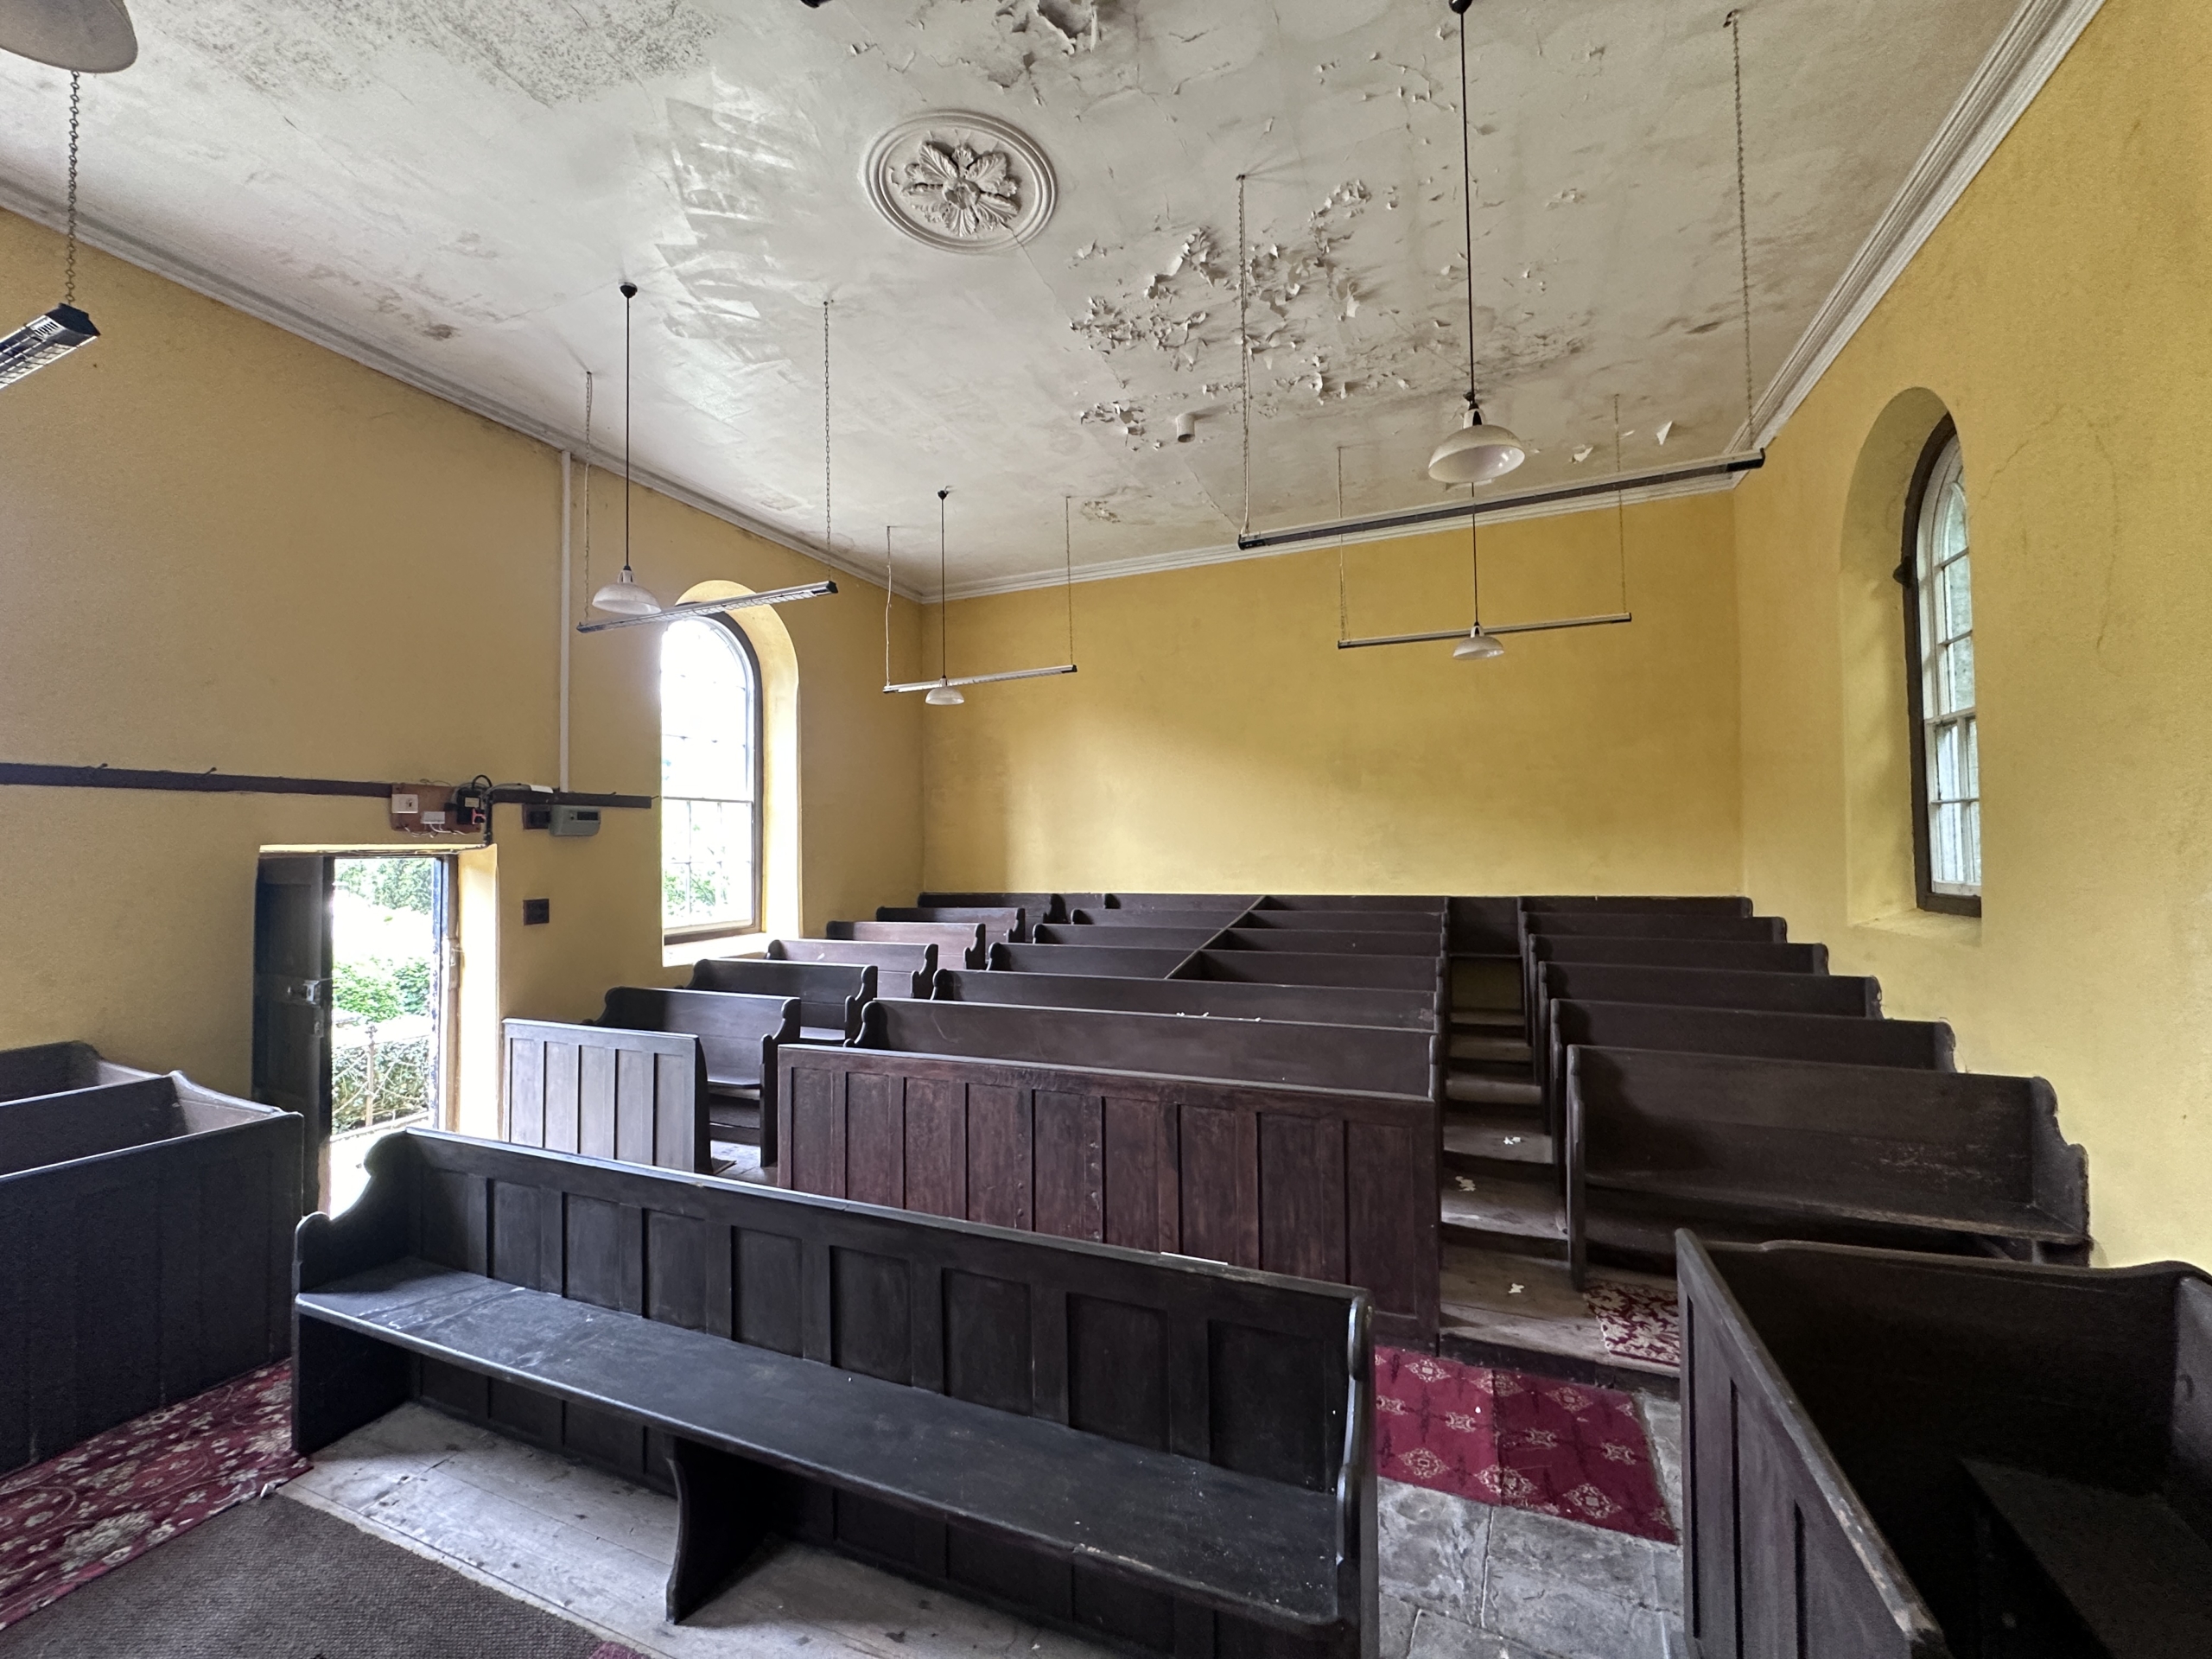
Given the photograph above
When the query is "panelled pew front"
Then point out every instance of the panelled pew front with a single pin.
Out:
(1764, 1148)
(1204, 998)
(1175, 1455)
(1328, 1183)
(1890, 1455)
(143, 1251)
(640, 1096)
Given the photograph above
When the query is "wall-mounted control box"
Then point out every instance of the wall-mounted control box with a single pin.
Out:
(574, 820)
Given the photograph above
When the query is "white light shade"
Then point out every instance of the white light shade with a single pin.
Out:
(1477, 647)
(94, 36)
(1476, 455)
(944, 695)
(624, 598)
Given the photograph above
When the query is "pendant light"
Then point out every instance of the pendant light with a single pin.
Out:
(62, 330)
(1478, 647)
(623, 596)
(92, 36)
(944, 694)
(1479, 451)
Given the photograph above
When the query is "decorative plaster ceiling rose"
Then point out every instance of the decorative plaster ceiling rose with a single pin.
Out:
(962, 183)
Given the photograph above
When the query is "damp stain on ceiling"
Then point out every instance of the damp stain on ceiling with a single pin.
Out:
(462, 183)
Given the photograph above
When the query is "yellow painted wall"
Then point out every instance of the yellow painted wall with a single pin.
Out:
(1215, 739)
(2059, 313)
(225, 548)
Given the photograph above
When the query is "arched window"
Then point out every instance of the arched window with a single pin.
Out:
(1937, 573)
(710, 779)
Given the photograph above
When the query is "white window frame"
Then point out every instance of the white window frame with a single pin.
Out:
(675, 929)
(1948, 773)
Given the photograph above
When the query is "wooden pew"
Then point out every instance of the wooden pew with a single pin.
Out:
(1215, 999)
(1658, 925)
(1239, 902)
(639, 1097)
(1007, 922)
(918, 962)
(1186, 938)
(1108, 961)
(1038, 906)
(1291, 968)
(1903, 1456)
(1380, 901)
(1317, 941)
(961, 943)
(1913, 1044)
(1369, 1059)
(1566, 904)
(143, 1251)
(738, 1037)
(1862, 1155)
(830, 995)
(1210, 921)
(1161, 1453)
(1735, 955)
(1427, 924)
(55, 1068)
(1323, 1183)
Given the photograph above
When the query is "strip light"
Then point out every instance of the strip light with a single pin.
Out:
(1485, 631)
(714, 607)
(43, 340)
(983, 679)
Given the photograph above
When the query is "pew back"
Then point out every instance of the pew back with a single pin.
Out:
(960, 943)
(1712, 987)
(1424, 974)
(1219, 998)
(1128, 937)
(635, 1096)
(1426, 942)
(1428, 924)
(1734, 955)
(830, 993)
(1112, 961)
(52, 1068)
(1371, 1059)
(1658, 925)
(888, 957)
(1561, 904)
(1211, 921)
(1376, 901)
(1238, 902)
(732, 1027)
(999, 921)
(1038, 906)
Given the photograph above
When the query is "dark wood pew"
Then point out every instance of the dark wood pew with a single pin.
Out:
(1426, 923)
(635, 1096)
(1323, 1183)
(1038, 906)
(1857, 1155)
(1563, 904)
(143, 1252)
(1007, 922)
(1712, 987)
(1731, 955)
(53, 1068)
(1216, 998)
(1239, 902)
(1108, 961)
(1373, 1059)
(1658, 925)
(1319, 941)
(1211, 921)
(1130, 937)
(918, 962)
(738, 1035)
(1372, 902)
(1915, 1045)
(1168, 1454)
(959, 943)
(830, 995)
(1903, 1456)
(1293, 968)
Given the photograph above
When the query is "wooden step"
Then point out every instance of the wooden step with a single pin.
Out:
(1500, 1211)
(1479, 1089)
(1497, 1141)
(1489, 1019)
(1500, 1051)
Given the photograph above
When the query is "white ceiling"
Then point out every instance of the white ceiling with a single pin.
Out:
(461, 184)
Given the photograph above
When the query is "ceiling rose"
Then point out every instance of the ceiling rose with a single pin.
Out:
(962, 183)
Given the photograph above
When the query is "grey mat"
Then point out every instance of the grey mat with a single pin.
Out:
(275, 1579)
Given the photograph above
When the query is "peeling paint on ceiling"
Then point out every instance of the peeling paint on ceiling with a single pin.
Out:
(463, 183)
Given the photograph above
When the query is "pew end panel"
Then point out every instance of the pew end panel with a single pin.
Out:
(895, 961)
(830, 995)
(57, 1068)
(635, 1096)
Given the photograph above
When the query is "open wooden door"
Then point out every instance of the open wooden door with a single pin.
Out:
(291, 1002)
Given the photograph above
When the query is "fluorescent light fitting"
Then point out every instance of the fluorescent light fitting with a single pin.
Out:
(43, 340)
(712, 606)
(977, 679)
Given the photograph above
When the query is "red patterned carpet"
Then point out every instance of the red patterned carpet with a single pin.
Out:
(1517, 1441)
(1637, 1321)
(64, 1522)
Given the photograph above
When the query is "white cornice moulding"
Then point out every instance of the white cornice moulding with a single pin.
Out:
(280, 313)
(2003, 84)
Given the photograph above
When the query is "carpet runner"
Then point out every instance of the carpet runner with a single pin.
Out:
(1518, 1442)
(64, 1522)
(1637, 1321)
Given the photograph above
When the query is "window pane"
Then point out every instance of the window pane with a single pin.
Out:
(1956, 586)
(1974, 764)
(1951, 513)
(1946, 776)
(709, 715)
(1970, 834)
(1954, 676)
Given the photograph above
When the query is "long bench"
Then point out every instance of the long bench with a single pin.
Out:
(53, 1068)
(1320, 941)
(1737, 956)
(1210, 921)
(1324, 1183)
(1121, 937)
(144, 1253)
(1008, 922)
(1898, 1456)
(738, 1035)
(640, 1096)
(889, 957)
(1658, 925)
(1913, 1044)
(1212, 999)
(959, 943)
(1429, 923)
(1629, 903)
(1238, 902)
(1369, 1059)
(1427, 905)
(1038, 906)
(1112, 961)
(1171, 1454)
(830, 995)
(1944, 1161)
(1423, 974)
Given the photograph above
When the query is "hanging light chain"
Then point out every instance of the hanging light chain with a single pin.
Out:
(1244, 340)
(887, 605)
(1743, 230)
(1342, 612)
(69, 270)
(825, 431)
(1620, 504)
(587, 460)
(1067, 550)
(943, 608)
(1467, 178)
(629, 299)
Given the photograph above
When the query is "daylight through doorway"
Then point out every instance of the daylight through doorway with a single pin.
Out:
(390, 983)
